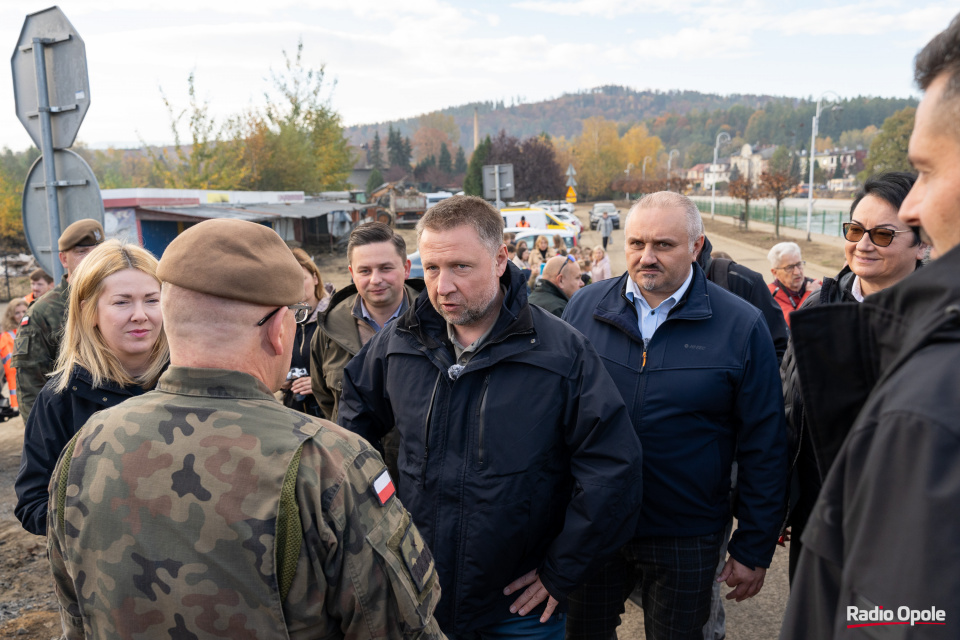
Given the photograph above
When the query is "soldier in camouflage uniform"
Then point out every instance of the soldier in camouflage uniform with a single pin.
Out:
(207, 509)
(37, 345)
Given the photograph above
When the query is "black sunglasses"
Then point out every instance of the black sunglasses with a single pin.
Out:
(300, 312)
(569, 259)
(880, 236)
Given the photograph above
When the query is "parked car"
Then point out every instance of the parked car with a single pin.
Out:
(569, 218)
(536, 218)
(520, 233)
(597, 213)
(555, 205)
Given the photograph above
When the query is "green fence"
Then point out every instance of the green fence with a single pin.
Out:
(823, 222)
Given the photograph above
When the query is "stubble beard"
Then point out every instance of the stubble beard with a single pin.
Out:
(470, 314)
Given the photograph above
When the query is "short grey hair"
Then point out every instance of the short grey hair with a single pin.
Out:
(671, 200)
(782, 249)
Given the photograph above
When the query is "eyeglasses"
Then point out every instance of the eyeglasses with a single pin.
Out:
(796, 266)
(569, 259)
(300, 312)
(880, 236)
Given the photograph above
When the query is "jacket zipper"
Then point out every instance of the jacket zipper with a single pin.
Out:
(426, 433)
(480, 412)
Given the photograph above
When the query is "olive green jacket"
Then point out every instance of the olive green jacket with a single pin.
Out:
(37, 346)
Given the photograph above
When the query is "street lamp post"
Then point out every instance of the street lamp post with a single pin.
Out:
(670, 164)
(645, 159)
(811, 157)
(723, 136)
(629, 166)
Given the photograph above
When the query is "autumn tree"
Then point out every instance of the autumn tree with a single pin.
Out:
(742, 189)
(303, 147)
(12, 239)
(776, 184)
(888, 151)
(538, 175)
(598, 156)
(214, 157)
(636, 144)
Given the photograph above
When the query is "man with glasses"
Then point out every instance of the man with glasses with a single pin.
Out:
(559, 281)
(790, 287)
(205, 508)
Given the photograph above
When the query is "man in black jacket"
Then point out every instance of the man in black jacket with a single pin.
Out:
(518, 460)
(560, 280)
(883, 531)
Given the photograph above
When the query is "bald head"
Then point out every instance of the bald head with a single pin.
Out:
(564, 273)
(211, 332)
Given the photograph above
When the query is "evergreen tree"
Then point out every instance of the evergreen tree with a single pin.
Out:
(374, 181)
(838, 172)
(445, 162)
(374, 157)
(460, 163)
(473, 183)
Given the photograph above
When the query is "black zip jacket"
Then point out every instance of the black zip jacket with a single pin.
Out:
(883, 530)
(55, 418)
(525, 459)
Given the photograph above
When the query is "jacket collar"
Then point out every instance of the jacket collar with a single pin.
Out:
(213, 383)
(616, 309)
(428, 328)
(338, 321)
(548, 287)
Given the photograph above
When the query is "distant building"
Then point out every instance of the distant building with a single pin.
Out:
(847, 158)
(695, 174)
(716, 173)
(752, 163)
(154, 217)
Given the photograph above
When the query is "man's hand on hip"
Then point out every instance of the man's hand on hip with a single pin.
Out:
(746, 582)
(533, 596)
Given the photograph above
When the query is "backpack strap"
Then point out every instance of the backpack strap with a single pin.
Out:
(717, 274)
(289, 529)
(67, 457)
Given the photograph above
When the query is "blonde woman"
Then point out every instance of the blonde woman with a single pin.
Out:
(113, 348)
(600, 269)
(11, 322)
(543, 248)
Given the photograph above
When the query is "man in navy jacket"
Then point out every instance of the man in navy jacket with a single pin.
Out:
(518, 461)
(697, 369)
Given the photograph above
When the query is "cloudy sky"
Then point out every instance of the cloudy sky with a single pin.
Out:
(400, 59)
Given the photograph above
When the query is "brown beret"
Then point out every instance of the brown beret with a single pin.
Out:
(233, 259)
(82, 233)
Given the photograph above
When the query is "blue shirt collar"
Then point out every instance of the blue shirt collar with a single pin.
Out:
(360, 311)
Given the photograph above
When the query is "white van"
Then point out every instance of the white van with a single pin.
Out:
(536, 219)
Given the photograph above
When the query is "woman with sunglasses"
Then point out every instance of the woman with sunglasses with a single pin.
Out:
(113, 348)
(881, 251)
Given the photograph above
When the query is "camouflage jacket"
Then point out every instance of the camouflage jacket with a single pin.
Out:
(37, 345)
(168, 522)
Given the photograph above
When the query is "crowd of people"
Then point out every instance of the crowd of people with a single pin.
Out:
(220, 444)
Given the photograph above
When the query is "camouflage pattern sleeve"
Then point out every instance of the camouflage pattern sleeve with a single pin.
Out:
(34, 357)
(64, 589)
(363, 565)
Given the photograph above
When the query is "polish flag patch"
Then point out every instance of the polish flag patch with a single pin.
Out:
(25, 321)
(383, 487)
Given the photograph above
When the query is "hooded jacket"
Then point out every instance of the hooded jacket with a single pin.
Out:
(522, 459)
(703, 392)
(336, 340)
(883, 530)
